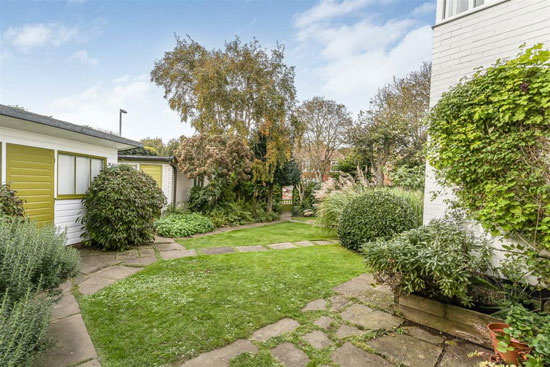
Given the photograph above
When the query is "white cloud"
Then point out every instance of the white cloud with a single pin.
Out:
(426, 8)
(328, 9)
(354, 57)
(82, 56)
(31, 36)
(98, 106)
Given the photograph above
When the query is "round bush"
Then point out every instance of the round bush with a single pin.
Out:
(183, 225)
(374, 214)
(121, 207)
(10, 205)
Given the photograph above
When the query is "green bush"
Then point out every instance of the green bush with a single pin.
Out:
(10, 204)
(413, 197)
(121, 207)
(183, 225)
(436, 260)
(409, 177)
(33, 258)
(372, 215)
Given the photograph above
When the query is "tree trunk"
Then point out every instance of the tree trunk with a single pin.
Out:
(270, 197)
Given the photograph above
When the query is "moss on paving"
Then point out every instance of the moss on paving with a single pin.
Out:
(265, 235)
(177, 309)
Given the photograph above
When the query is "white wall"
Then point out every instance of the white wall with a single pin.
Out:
(184, 186)
(66, 212)
(477, 39)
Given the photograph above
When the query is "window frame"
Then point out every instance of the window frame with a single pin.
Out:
(90, 156)
(442, 14)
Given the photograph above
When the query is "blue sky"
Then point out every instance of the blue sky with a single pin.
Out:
(82, 60)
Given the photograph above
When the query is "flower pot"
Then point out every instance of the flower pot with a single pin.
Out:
(520, 349)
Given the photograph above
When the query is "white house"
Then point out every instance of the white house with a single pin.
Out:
(51, 163)
(475, 33)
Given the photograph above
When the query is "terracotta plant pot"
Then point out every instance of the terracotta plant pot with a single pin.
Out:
(520, 349)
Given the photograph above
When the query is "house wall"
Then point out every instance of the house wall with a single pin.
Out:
(183, 188)
(66, 212)
(477, 39)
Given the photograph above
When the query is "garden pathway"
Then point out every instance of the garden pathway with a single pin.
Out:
(356, 325)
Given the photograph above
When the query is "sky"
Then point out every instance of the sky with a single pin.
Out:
(82, 60)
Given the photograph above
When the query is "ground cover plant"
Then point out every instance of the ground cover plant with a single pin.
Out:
(264, 235)
(183, 225)
(179, 309)
(121, 207)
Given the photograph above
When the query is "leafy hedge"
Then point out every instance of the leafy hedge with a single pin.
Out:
(10, 204)
(121, 207)
(437, 260)
(183, 225)
(490, 138)
(374, 214)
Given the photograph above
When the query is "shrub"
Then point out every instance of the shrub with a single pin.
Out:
(32, 258)
(183, 225)
(437, 260)
(10, 204)
(374, 214)
(409, 177)
(415, 198)
(121, 207)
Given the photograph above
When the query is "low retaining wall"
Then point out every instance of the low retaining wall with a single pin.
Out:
(449, 319)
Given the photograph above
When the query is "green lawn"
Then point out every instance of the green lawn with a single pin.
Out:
(304, 219)
(265, 235)
(181, 308)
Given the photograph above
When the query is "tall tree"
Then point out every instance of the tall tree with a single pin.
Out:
(325, 125)
(241, 89)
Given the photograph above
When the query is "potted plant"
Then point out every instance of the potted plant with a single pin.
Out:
(508, 348)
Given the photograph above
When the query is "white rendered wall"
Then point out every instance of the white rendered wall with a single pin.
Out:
(183, 188)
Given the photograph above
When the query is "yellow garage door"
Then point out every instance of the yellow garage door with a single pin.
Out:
(153, 170)
(30, 172)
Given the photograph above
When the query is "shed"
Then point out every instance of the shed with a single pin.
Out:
(50, 164)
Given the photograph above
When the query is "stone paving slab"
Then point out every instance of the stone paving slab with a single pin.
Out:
(222, 356)
(290, 356)
(324, 322)
(169, 246)
(146, 251)
(338, 302)
(141, 261)
(67, 306)
(317, 305)
(370, 319)
(218, 250)
(250, 248)
(422, 334)
(349, 355)
(91, 264)
(177, 254)
(116, 272)
(72, 343)
(66, 287)
(304, 243)
(365, 289)
(92, 363)
(276, 329)
(407, 350)
(317, 339)
(129, 254)
(345, 331)
(92, 285)
(456, 354)
(323, 243)
(159, 239)
(282, 246)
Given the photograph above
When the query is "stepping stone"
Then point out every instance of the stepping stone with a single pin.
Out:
(250, 248)
(346, 331)
(362, 288)
(407, 350)
(323, 243)
(338, 302)
(72, 343)
(218, 250)
(317, 305)
(92, 363)
(116, 272)
(304, 243)
(290, 356)
(370, 319)
(130, 254)
(349, 355)
(222, 356)
(323, 322)
(276, 329)
(169, 255)
(317, 339)
(66, 287)
(143, 261)
(422, 334)
(281, 246)
(146, 251)
(92, 285)
(169, 246)
(159, 239)
(91, 264)
(66, 307)
(455, 355)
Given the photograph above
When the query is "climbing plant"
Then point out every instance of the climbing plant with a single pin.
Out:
(490, 143)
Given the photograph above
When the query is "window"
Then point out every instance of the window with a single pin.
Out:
(455, 7)
(75, 172)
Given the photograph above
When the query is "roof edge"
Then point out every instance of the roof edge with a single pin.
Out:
(145, 158)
